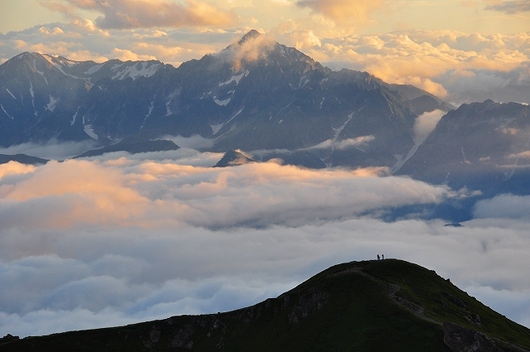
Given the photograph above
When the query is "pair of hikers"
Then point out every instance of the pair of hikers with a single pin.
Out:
(379, 257)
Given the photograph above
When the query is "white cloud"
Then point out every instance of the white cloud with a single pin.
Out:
(425, 124)
(191, 271)
(51, 149)
(343, 144)
(158, 235)
(504, 206)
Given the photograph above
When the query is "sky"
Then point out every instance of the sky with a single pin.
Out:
(133, 238)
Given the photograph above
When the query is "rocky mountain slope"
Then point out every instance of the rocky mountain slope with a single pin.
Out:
(484, 146)
(254, 94)
(387, 305)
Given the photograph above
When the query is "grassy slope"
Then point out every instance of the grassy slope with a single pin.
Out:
(347, 307)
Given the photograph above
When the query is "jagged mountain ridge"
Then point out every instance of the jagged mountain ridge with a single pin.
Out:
(41, 96)
(92, 72)
(386, 305)
(254, 94)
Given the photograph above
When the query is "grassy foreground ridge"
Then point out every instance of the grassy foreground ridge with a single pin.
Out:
(386, 305)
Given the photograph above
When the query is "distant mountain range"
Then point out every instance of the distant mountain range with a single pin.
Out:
(385, 305)
(484, 146)
(254, 94)
(269, 101)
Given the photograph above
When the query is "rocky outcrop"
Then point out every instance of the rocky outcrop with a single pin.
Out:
(308, 303)
(460, 339)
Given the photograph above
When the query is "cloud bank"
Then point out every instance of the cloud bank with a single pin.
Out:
(119, 239)
(425, 124)
(456, 66)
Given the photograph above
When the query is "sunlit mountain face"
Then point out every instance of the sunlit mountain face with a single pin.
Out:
(112, 212)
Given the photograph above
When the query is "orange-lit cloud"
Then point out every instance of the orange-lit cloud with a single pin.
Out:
(523, 155)
(437, 61)
(14, 168)
(127, 14)
(344, 11)
(122, 191)
(127, 55)
(70, 193)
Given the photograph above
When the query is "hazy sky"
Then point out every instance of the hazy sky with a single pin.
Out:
(463, 50)
(132, 238)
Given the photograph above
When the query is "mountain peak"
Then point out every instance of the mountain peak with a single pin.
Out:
(234, 157)
(28, 55)
(31, 61)
(249, 36)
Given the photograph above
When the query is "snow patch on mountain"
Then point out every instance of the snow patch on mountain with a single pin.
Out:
(339, 130)
(222, 102)
(93, 69)
(52, 104)
(303, 81)
(175, 93)
(37, 70)
(140, 69)
(226, 101)
(150, 109)
(402, 159)
(9, 92)
(11, 117)
(465, 160)
(32, 93)
(216, 128)
(72, 121)
(60, 63)
(235, 78)
(89, 130)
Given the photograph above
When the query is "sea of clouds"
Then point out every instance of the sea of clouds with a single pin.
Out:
(122, 238)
